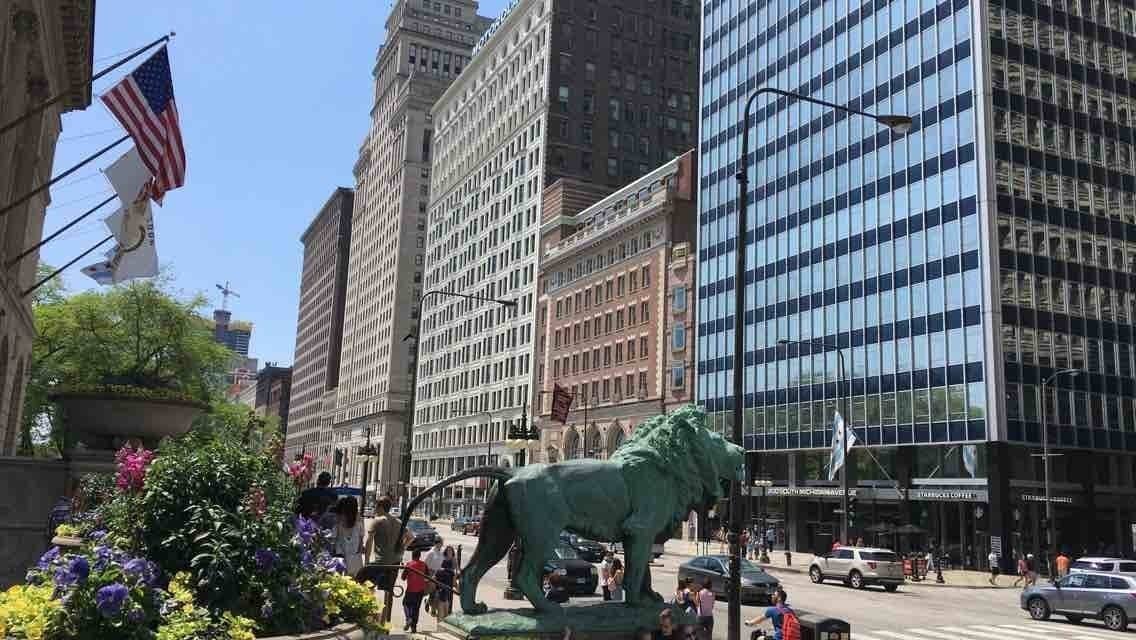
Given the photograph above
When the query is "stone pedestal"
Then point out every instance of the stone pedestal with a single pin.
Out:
(32, 486)
(605, 621)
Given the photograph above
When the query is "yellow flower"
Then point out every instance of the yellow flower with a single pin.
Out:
(28, 611)
(240, 628)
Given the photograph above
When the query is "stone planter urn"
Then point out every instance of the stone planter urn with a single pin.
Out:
(106, 420)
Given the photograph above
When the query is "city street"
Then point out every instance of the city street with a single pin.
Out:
(915, 612)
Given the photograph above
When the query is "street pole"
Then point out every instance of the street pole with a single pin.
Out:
(1050, 528)
(407, 441)
(900, 124)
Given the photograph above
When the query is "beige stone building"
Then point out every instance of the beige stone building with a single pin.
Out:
(616, 312)
(45, 50)
(428, 44)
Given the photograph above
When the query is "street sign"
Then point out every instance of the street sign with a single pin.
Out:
(996, 544)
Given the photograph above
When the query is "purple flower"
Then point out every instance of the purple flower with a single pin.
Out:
(136, 614)
(331, 563)
(104, 555)
(306, 530)
(306, 559)
(97, 534)
(48, 558)
(265, 559)
(73, 573)
(140, 569)
(109, 599)
(266, 610)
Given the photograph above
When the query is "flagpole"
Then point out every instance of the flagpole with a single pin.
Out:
(31, 194)
(54, 99)
(66, 266)
(53, 236)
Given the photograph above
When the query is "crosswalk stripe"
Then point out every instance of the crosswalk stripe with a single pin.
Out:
(1018, 633)
(931, 633)
(972, 632)
(862, 636)
(1048, 628)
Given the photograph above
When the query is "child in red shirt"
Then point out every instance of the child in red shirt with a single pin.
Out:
(415, 590)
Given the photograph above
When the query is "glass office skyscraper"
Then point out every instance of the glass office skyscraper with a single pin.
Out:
(955, 267)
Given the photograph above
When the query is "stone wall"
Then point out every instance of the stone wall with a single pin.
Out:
(31, 488)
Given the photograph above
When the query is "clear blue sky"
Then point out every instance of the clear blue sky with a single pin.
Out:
(274, 100)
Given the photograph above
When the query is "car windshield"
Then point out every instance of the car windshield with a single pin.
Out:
(879, 556)
(417, 524)
(564, 552)
(1092, 566)
(747, 566)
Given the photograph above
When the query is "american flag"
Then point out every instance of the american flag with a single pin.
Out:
(144, 103)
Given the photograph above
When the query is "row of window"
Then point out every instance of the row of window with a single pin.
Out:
(1075, 407)
(590, 360)
(1047, 32)
(603, 292)
(600, 325)
(1059, 242)
(1062, 350)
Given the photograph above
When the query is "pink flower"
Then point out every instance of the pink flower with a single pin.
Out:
(132, 464)
(301, 470)
(256, 502)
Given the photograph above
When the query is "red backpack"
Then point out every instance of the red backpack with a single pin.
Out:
(790, 625)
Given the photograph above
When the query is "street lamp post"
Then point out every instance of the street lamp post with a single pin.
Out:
(898, 124)
(407, 441)
(1050, 529)
(764, 483)
(842, 398)
(368, 451)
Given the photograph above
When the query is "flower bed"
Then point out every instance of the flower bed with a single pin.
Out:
(197, 542)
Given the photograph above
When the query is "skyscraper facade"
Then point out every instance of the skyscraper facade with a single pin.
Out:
(319, 323)
(584, 90)
(427, 45)
(955, 268)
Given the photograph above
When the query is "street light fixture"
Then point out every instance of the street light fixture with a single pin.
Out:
(1050, 529)
(368, 451)
(404, 471)
(899, 125)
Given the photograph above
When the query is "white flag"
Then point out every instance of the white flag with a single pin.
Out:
(135, 255)
(970, 459)
(128, 176)
(843, 439)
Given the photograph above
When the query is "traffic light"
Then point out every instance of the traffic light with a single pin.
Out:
(851, 508)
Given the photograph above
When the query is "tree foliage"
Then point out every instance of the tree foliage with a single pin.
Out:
(137, 335)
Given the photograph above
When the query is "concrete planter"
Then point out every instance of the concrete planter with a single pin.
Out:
(340, 632)
(106, 421)
(67, 542)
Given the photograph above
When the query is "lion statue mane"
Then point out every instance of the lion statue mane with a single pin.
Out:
(670, 465)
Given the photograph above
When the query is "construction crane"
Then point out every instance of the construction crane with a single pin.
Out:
(225, 293)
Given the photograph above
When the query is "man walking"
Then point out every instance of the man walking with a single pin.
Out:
(994, 570)
(382, 542)
(415, 590)
(1062, 565)
(434, 559)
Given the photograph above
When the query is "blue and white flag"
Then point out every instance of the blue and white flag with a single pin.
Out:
(843, 439)
(970, 459)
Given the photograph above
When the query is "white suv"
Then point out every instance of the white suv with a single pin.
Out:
(858, 567)
(1106, 565)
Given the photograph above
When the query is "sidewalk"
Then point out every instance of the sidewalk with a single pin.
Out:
(959, 579)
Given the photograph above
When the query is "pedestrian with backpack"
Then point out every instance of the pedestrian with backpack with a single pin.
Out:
(786, 626)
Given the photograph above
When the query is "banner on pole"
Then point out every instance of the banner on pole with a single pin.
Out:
(135, 254)
(561, 403)
(128, 176)
(843, 439)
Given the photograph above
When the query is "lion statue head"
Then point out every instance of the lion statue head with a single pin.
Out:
(674, 450)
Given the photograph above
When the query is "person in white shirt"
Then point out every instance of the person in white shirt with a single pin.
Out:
(434, 559)
(349, 534)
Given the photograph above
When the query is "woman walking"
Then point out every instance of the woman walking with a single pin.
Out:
(706, 609)
(349, 534)
(443, 597)
(684, 597)
(615, 582)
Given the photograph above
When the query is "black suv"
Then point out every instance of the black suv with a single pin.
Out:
(589, 550)
(424, 534)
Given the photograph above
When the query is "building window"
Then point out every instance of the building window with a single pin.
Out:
(678, 376)
(589, 71)
(586, 161)
(643, 384)
(614, 109)
(565, 63)
(643, 346)
(562, 128)
(613, 139)
(589, 104)
(678, 302)
(630, 355)
(644, 146)
(614, 76)
(646, 271)
(586, 133)
(613, 167)
(644, 315)
(678, 337)
(562, 98)
(413, 54)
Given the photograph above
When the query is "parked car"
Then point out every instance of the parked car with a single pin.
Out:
(858, 567)
(757, 584)
(657, 549)
(472, 527)
(1109, 597)
(589, 550)
(569, 575)
(1104, 565)
(424, 534)
(459, 523)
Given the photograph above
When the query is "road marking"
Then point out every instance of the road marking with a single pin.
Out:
(977, 632)
(1077, 631)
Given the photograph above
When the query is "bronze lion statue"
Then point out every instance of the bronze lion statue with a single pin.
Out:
(669, 466)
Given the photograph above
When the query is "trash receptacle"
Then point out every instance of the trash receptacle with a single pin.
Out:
(817, 627)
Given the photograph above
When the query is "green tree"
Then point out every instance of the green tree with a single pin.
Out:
(138, 335)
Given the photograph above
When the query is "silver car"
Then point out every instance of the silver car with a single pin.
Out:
(1109, 597)
(858, 567)
(1104, 565)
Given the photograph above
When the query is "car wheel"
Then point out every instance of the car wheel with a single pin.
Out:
(856, 580)
(1038, 608)
(815, 575)
(1115, 618)
(1073, 618)
(891, 588)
